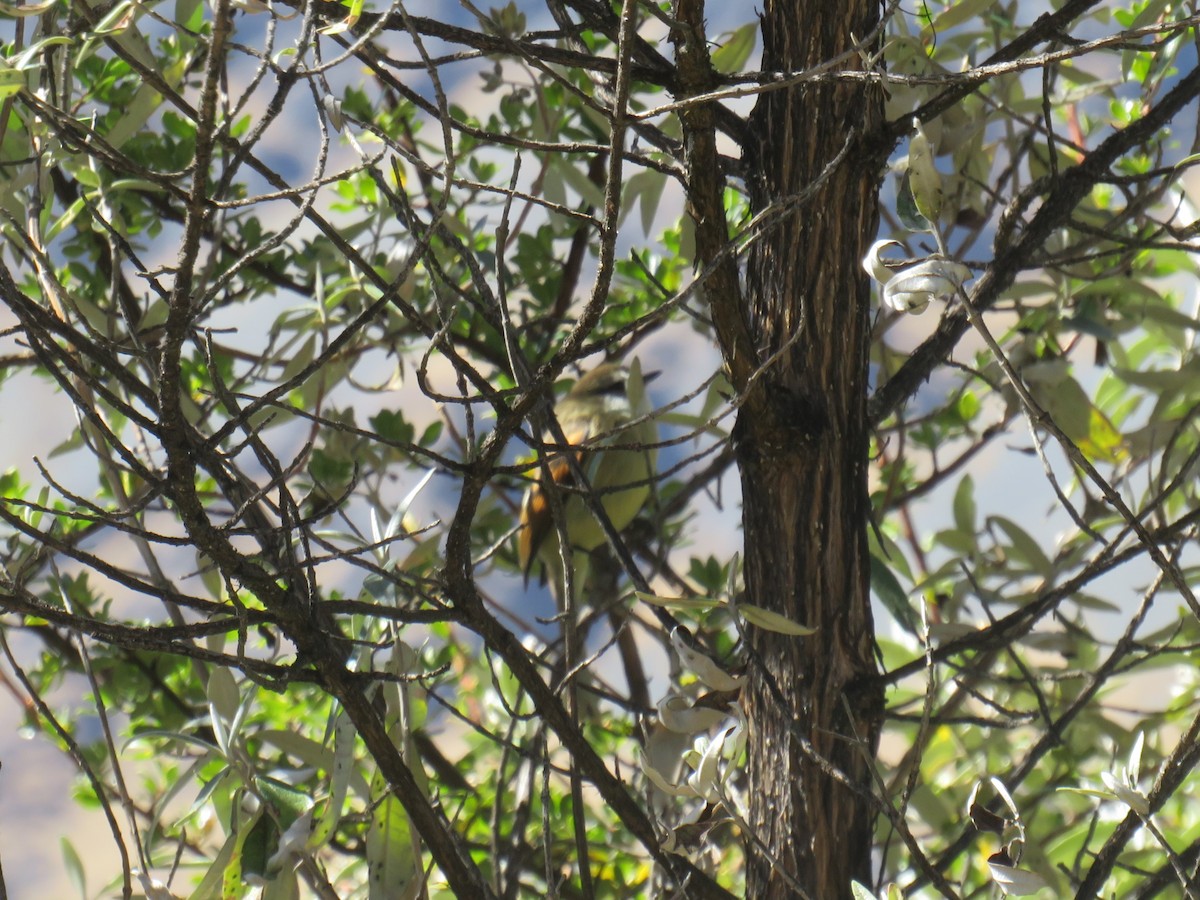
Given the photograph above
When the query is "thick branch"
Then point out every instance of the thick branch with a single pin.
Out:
(705, 195)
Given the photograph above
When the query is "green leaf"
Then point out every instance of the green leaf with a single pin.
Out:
(11, 81)
(893, 597)
(1023, 546)
(233, 873)
(651, 199)
(961, 11)
(289, 802)
(424, 553)
(261, 841)
(65, 220)
(352, 17)
(339, 781)
(74, 866)
(967, 406)
(680, 603)
(393, 867)
(210, 886)
(590, 192)
(924, 179)
(736, 49)
(223, 694)
(769, 620)
(1066, 402)
(300, 359)
(1104, 442)
(282, 886)
(906, 207)
(964, 505)
(391, 426)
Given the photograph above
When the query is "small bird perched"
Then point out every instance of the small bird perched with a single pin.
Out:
(594, 416)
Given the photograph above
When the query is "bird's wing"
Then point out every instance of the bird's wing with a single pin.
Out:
(535, 509)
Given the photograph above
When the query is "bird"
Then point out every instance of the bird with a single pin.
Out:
(615, 449)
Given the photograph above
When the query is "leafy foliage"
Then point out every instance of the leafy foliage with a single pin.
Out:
(302, 281)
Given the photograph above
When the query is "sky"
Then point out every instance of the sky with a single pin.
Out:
(35, 778)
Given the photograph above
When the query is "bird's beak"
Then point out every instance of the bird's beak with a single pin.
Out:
(647, 377)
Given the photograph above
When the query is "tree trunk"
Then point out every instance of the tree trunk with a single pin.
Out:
(813, 705)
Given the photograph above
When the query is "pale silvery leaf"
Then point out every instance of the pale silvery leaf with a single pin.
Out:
(659, 781)
(738, 734)
(153, 888)
(873, 262)
(224, 698)
(860, 891)
(341, 772)
(941, 632)
(291, 843)
(251, 7)
(705, 779)
(1126, 793)
(678, 715)
(1005, 796)
(409, 499)
(923, 176)
(913, 289)
(376, 530)
(703, 667)
(1134, 768)
(333, 109)
(973, 796)
(671, 842)
(1016, 882)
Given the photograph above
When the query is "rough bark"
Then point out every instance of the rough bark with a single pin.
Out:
(802, 446)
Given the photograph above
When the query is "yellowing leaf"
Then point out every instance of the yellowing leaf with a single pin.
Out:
(11, 81)
(347, 23)
(1103, 442)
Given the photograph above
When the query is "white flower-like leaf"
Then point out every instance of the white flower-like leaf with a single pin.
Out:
(1000, 789)
(703, 667)
(873, 262)
(738, 735)
(917, 286)
(1122, 785)
(291, 843)
(679, 715)
(1134, 767)
(1016, 882)
(705, 780)
(660, 781)
(861, 892)
(153, 888)
(1127, 792)
(333, 109)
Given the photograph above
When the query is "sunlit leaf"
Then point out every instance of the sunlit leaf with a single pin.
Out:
(735, 49)
(769, 620)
